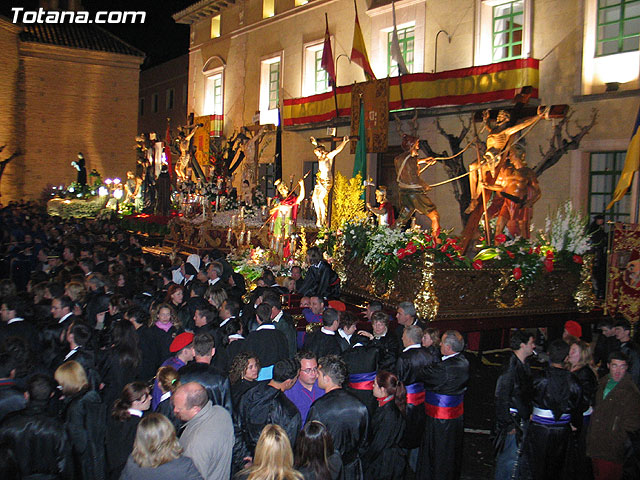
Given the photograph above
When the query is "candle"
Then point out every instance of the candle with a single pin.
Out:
(229, 235)
(248, 237)
(217, 202)
(241, 240)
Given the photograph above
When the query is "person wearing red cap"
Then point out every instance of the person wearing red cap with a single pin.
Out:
(182, 347)
(571, 329)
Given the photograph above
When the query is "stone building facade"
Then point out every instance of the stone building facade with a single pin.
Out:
(245, 55)
(67, 89)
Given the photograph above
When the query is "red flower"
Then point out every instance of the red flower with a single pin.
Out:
(548, 264)
(427, 237)
(577, 259)
(401, 253)
(537, 250)
(511, 255)
(530, 251)
(550, 254)
(411, 248)
(450, 256)
(477, 264)
(443, 248)
(501, 238)
(517, 273)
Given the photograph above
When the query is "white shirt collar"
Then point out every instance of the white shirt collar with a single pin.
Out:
(266, 326)
(165, 396)
(449, 356)
(70, 353)
(136, 412)
(15, 319)
(236, 336)
(214, 281)
(342, 333)
(327, 331)
(415, 345)
(225, 321)
(65, 317)
(277, 318)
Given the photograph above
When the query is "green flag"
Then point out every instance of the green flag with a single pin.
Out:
(360, 164)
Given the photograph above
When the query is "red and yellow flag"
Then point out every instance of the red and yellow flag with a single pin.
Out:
(359, 50)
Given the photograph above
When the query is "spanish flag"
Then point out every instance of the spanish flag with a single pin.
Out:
(359, 50)
(631, 164)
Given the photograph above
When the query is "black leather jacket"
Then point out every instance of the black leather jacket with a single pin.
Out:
(216, 384)
(513, 390)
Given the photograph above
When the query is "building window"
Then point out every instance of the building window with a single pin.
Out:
(141, 111)
(315, 79)
(154, 103)
(299, 3)
(169, 99)
(215, 26)
(618, 27)
(268, 8)
(604, 172)
(507, 31)
(270, 90)
(406, 39)
(267, 174)
(184, 95)
(213, 94)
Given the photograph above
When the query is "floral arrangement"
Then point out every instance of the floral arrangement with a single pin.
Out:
(251, 263)
(563, 242)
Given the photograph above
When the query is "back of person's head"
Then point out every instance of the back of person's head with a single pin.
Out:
(81, 333)
(272, 298)
(413, 333)
(314, 255)
(14, 302)
(313, 446)
(137, 314)
(375, 306)
(232, 306)
(263, 311)
(558, 351)
(168, 379)
(156, 442)
(198, 288)
(196, 395)
(130, 393)
(40, 388)
(273, 457)
(286, 369)
(232, 327)
(7, 365)
(334, 367)
(269, 278)
(389, 381)
(203, 344)
(518, 337)
(454, 339)
(329, 317)
(408, 308)
(347, 320)
(71, 377)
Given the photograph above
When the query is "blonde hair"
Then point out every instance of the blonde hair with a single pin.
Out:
(273, 458)
(586, 357)
(71, 377)
(168, 379)
(215, 295)
(156, 442)
(75, 291)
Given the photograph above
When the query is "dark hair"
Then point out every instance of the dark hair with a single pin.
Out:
(347, 319)
(606, 322)
(305, 355)
(140, 316)
(239, 364)
(203, 343)
(329, 316)
(198, 288)
(268, 277)
(125, 345)
(81, 333)
(120, 302)
(263, 311)
(334, 367)
(375, 306)
(207, 312)
(232, 306)
(285, 370)
(313, 447)
(618, 355)
(393, 386)
(272, 298)
(40, 387)
(231, 327)
(314, 255)
(65, 301)
(558, 351)
(518, 337)
(130, 393)
(623, 322)
(13, 302)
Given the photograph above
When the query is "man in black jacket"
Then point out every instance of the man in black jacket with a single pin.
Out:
(266, 403)
(282, 320)
(201, 371)
(325, 341)
(387, 343)
(344, 415)
(38, 439)
(11, 399)
(268, 343)
(629, 348)
(513, 402)
(445, 383)
(15, 325)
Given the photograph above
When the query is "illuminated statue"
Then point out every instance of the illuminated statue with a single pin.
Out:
(324, 178)
(82, 169)
(249, 147)
(285, 211)
(384, 213)
(184, 144)
(412, 189)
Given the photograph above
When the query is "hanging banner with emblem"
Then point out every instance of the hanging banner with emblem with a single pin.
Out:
(375, 96)
(623, 292)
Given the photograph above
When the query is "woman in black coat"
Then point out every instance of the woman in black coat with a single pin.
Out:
(84, 416)
(127, 412)
(243, 375)
(384, 459)
(315, 457)
(164, 326)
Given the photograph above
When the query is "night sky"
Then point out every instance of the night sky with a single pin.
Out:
(159, 37)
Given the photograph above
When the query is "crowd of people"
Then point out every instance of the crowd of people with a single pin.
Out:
(115, 363)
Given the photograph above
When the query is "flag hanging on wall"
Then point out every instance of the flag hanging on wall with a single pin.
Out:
(360, 163)
(396, 51)
(631, 164)
(359, 50)
(327, 56)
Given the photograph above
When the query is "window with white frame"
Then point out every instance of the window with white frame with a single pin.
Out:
(270, 89)
(406, 40)
(315, 78)
(604, 172)
(213, 95)
(504, 30)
